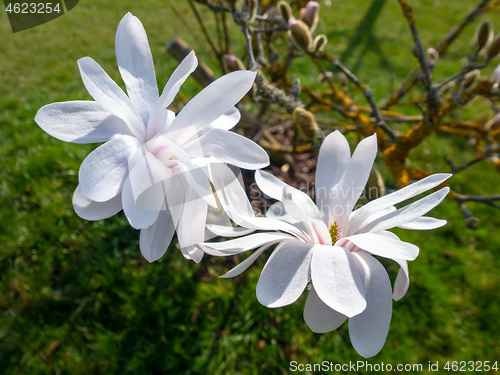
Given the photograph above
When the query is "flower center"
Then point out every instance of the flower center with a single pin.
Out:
(335, 232)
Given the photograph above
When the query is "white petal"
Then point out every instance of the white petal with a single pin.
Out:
(336, 279)
(156, 124)
(138, 218)
(196, 179)
(243, 266)
(402, 282)
(155, 239)
(212, 102)
(80, 121)
(285, 275)
(90, 210)
(270, 185)
(319, 317)
(110, 96)
(136, 65)
(233, 149)
(394, 198)
(384, 246)
(424, 223)
(191, 228)
(299, 205)
(319, 232)
(228, 120)
(223, 231)
(104, 170)
(242, 244)
(408, 213)
(333, 158)
(368, 330)
(353, 182)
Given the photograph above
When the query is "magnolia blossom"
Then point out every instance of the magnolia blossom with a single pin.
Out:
(159, 168)
(332, 247)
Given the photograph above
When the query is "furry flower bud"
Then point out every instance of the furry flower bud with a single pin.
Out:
(284, 10)
(300, 34)
(310, 15)
(232, 63)
(319, 43)
(305, 122)
(470, 78)
(483, 35)
(493, 49)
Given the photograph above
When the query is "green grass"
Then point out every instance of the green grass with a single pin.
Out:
(76, 297)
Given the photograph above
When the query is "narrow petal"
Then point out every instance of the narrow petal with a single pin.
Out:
(319, 317)
(424, 223)
(336, 280)
(394, 198)
(155, 239)
(402, 282)
(223, 231)
(299, 205)
(110, 96)
(233, 149)
(156, 124)
(408, 213)
(80, 121)
(333, 158)
(103, 172)
(285, 275)
(213, 101)
(384, 246)
(138, 218)
(191, 228)
(197, 180)
(270, 185)
(243, 266)
(90, 210)
(353, 182)
(135, 63)
(368, 330)
(228, 120)
(242, 244)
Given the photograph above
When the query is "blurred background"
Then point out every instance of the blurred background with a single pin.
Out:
(77, 297)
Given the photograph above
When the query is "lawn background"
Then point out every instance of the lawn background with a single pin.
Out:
(76, 297)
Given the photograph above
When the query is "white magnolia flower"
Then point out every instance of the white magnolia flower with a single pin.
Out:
(156, 166)
(332, 246)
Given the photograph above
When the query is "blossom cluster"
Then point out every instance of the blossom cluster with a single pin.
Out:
(167, 170)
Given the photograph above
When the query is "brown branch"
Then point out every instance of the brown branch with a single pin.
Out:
(487, 152)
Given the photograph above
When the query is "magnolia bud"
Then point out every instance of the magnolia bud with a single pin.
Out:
(310, 15)
(483, 35)
(232, 63)
(270, 13)
(375, 186)
(495, 77)
(319, 43)
(300, 34)
(470, 78)
(493, 49)
(284, 10)
(325, 76)
(432, 55)
(306, 123)
(493, 124)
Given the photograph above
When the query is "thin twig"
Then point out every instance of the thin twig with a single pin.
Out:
(487, 152)
(205, 31)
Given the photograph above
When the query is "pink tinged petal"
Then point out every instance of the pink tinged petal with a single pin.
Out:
(191, 228)
(319, 232)
(90, 210)
(110, 96)
(213, 101)
(368, 330)
(233, 149)
(410, 191)
(299, 205)
(156, 124)
(336, 280)
(135, 63)
(138, 218)
(408, 213)
(285, 275)
(319, 317)
(402, 282)
(103, 172)
(228, 120)
(196, 179)
(333, 159)
(163, 148)
(242, 244)
(243, 266)
(384, 246)
(224, 231)
(424, 223)
(155, 239)
(80, 121)
(353, 182)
